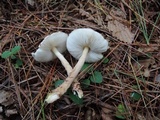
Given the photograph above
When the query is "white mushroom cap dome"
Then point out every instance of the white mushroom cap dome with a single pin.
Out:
(43, 55)
(86, 37)
(55, 40)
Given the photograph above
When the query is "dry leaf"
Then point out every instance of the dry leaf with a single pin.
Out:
(84, 13)
(144, 67)
(143, 64)
(118, 13)
(106, 111)
(91, 114)
(120, 31)
(10, 112)
(105, 116)
(158, 78)
(30, 2)
(140, 117)
(6, 98)
(146, 49)
(146, 72)
(88, 115)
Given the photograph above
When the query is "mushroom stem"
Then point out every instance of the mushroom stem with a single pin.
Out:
(59, 91)
(63, 60)
(76, 85)
(80, 63)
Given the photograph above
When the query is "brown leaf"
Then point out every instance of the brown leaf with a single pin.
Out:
(146, 72)
(158, 78)
(106, 111)
(30, 2)
(140, 117)
(84, 13)
(11, 112)
(6, 98)
(146, 49)
(143, 64)
(105, 116)
(120, 31)
(90, 114)
(118, 13)
(6, 39)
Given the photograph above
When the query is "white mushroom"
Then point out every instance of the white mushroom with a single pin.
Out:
(84, 44)
(86, 38)
(51, 47)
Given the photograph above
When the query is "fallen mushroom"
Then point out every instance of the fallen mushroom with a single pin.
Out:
(84, 44)
(51, 47)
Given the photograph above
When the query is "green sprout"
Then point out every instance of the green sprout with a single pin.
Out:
(12, 55)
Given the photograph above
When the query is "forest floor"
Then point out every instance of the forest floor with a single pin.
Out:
(128, 82)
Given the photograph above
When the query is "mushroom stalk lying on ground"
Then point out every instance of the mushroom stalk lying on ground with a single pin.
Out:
(84, 44)
(51, 47)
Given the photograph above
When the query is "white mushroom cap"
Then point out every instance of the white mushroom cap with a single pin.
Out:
(85, 45)
(57, 39)
(45, 51)
(43, 55)
(86, 37)
(52, 46)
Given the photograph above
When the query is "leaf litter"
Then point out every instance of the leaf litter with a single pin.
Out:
(128, 49)
(6, 99)
(118, 29)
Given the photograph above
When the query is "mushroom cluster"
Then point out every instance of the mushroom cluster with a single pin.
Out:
(51, 47)
(86, 45)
